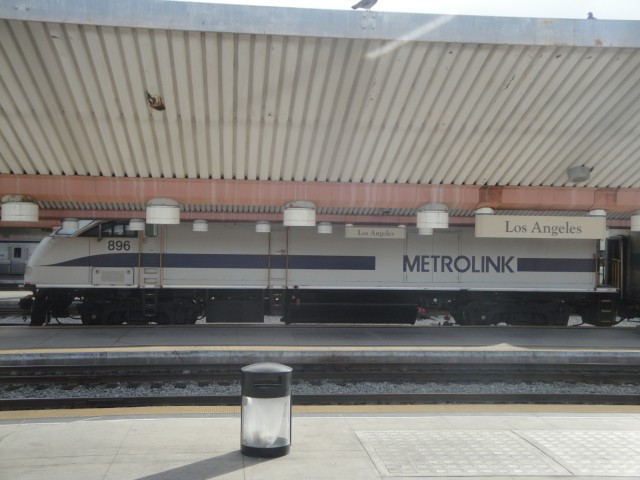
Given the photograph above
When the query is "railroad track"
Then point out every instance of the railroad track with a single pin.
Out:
(57, 387)
(10, 310)
(344, 399)
(80, 374)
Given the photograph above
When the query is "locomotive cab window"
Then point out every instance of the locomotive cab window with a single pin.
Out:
(111, 229)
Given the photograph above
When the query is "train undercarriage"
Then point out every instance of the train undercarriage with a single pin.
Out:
(187, 306)
(116, 306)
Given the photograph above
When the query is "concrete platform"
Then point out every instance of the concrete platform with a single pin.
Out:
(243, 344)
(443, 443)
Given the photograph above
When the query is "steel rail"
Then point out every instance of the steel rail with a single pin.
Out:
(79, 375)
(344, 399)
(131, 376)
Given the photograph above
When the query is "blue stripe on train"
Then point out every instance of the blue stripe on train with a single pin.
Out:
(192, 260)
(556, 265)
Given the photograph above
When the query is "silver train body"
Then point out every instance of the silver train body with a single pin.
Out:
(171, 274)
(16, 247)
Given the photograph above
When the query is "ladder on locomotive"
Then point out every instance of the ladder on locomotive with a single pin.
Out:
(150, 304)
(609, 272)
(150, 270)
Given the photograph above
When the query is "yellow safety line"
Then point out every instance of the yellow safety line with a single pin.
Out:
(318, 409)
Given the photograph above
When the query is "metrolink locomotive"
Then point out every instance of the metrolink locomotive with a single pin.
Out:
(169, 274)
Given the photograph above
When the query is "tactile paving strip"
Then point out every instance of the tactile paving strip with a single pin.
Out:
(456, 453)
(593, 452)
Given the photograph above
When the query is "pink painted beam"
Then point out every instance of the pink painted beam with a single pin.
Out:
(235, 192)
(328, 195)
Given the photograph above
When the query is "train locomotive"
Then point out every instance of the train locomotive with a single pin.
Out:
(169, 274)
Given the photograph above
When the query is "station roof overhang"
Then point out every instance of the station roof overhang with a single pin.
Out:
(236, 110)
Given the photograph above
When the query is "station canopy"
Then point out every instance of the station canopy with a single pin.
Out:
(234, 111)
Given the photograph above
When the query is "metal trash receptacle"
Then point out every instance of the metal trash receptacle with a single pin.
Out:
(266, 410)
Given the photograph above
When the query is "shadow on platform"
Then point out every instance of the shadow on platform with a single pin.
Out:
(208, 468)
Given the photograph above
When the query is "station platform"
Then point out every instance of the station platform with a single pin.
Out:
(525, 442)
(300, 344)
(374, 442)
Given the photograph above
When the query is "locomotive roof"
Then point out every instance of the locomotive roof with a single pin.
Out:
(236, 110)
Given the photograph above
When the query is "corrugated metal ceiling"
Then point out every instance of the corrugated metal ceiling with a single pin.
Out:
(75, 101)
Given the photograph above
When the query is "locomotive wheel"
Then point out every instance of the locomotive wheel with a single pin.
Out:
(88, 319)
(38, 317)
(162, 318)
(560, 319)
(467, 316)
(39, 311)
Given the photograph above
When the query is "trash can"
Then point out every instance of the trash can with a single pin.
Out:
(266, 410)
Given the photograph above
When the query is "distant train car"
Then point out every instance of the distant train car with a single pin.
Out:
(173, 275)
(16, 246)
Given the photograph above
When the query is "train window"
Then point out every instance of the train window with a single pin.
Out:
(17, 252)
(94, 232)
(118, 230)
(111, 229)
